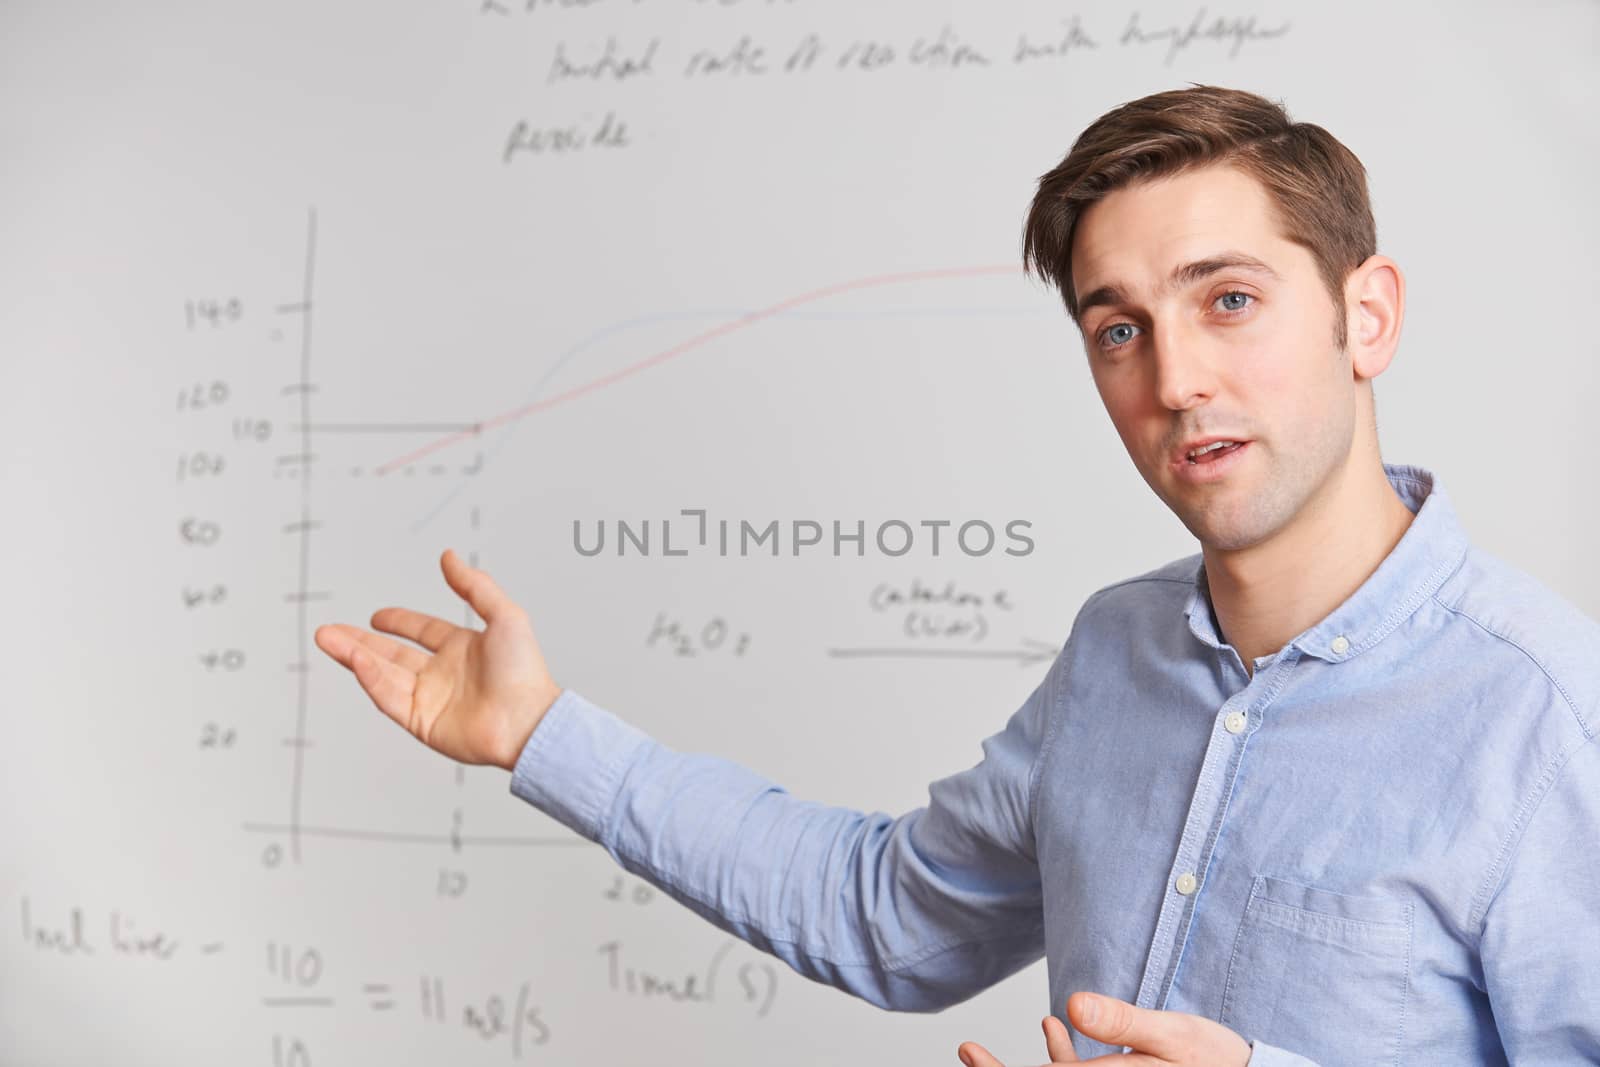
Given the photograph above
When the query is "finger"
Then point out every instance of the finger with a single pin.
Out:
(337, 639)
(1057, 1042)
(428, 631)
(476, 588)
(389, 686)
(1116, 1022)
(975, 1055)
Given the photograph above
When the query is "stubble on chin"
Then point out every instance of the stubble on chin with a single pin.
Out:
(1227, 518)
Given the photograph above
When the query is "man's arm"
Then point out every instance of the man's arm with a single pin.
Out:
(912, 913)
(1540, 945)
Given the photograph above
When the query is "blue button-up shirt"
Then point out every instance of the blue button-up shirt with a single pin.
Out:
(1381, 847)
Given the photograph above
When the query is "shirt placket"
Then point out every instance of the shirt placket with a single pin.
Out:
(1238, 718)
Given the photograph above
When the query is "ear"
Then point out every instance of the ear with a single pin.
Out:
(1375, 303)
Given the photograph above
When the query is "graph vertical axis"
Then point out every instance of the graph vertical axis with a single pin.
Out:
(307, 313)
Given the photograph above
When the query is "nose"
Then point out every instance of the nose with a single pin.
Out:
(1185, 375)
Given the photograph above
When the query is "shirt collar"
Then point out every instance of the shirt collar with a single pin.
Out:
(1428, 552)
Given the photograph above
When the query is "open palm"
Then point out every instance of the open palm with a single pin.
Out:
(473, 695)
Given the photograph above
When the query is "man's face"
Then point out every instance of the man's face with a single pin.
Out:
(1226, 351)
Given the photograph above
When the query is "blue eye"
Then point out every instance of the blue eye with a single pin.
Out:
(1109, 330)
(1105, 334)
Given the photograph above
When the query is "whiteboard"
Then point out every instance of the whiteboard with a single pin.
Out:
(297, 295)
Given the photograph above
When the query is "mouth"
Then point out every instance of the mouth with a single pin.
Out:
(1208, 459)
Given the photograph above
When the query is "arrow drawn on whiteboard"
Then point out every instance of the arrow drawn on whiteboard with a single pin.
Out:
(1034, 652)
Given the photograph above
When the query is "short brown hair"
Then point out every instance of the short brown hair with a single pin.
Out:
(1317, 185)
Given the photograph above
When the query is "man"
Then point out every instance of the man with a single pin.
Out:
(1325, 792)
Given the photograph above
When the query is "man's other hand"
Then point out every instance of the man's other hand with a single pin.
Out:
(1157, 1038)
(474, 695)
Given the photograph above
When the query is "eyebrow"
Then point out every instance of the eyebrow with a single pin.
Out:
(1183, 274)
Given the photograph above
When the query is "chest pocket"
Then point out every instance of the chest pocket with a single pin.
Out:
(1322, 974)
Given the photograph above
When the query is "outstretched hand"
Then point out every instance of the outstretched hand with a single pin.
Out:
(474, 695)
(1157, 1038)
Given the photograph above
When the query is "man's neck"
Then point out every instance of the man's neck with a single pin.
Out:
(1267, 594)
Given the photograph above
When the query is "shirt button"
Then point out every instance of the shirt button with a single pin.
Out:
(1186, 883)
(1340, 645)
(1235, 722)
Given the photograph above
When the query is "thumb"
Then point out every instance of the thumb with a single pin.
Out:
(1057, 1043)
(1109, 1020)
(473, 585)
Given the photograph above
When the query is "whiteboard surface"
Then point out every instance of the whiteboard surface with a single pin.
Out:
(297, 295)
